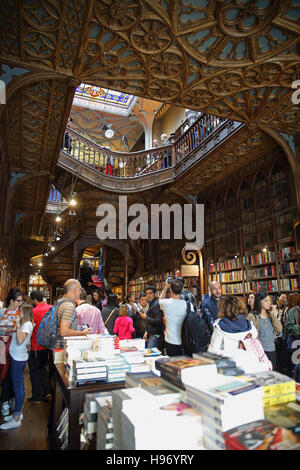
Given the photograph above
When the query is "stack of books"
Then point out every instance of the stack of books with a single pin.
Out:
(62, 428)
(137, 343)
(144, 379)
(135, 359)
(73, 348)
(261, 435)
(116, 368)
(278, 388)
(105, 430)
(225, 365)
(224, 402)
(107, 344)
(89, 371)
(118, 399)
(176, 369)
(89, 418)
(286, 415)
(148, 427)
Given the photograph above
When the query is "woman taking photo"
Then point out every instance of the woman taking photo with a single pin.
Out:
(8, 316)
(268, 326)
(18, 351)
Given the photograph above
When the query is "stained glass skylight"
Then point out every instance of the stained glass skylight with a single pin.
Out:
(109, 101)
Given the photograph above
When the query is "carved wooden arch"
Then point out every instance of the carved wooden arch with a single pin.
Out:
(31, 77)
(26, 216)
(24, 179)
(239, 187)
(294, 165)
(227, 192)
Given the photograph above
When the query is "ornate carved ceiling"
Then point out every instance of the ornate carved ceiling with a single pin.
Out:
(235, 58)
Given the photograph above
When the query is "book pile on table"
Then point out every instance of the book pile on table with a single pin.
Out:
(224, 403)
(261, 435)
(278, 388)
(90, 414)
(175, 369)
(117, 367)
(107, 344)
(143, 379)
(62, 428)
(105, 430)
(118, 399)
(286, 415)
(225, 365)
(165, 423)
(73, 349)
(137, 343)
(135, 359)
(89, 371)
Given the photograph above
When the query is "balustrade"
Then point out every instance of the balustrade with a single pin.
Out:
(132, 164)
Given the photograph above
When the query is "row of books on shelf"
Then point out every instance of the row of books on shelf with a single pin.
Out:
(259, 258)
(232, 288)
(287, 252)
(289, 284)
(262, 286)
(266, 271)
(289, 268)
(231, 276)
(208, 401)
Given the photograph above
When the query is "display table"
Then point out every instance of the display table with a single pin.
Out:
(67, 395)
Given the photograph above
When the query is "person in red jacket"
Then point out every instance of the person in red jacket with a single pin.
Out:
(124, 324)
(39, 357)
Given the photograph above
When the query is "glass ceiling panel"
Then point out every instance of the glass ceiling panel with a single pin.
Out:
(109, 101)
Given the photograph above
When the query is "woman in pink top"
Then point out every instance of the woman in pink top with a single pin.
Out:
(89, 315)
(123, 324)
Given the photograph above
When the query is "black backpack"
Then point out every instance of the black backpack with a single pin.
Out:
(194, 333)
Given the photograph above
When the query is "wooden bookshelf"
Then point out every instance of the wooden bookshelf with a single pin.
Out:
(251, 222)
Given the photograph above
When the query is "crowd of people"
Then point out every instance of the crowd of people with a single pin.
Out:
(159, 320)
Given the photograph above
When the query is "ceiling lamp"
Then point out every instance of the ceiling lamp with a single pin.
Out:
(109, 133)
(73, 200)
(58, 218)
(52, 248)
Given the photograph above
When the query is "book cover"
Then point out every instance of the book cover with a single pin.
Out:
(286, 415)
(277, 399)
(261, 435)
(178, 363)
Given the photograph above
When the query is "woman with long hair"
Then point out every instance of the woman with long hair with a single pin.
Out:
(18, 351)
(131, 305)
(250, 302)
(96, 299)
(231, 326)
(8, 316)
(268, 326)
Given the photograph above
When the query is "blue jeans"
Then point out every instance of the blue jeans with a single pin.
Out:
(152, 342)
(17, 377)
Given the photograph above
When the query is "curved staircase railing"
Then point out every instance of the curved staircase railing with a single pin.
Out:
(124, 165)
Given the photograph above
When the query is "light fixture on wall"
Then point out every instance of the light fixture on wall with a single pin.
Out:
(58, 218)
(109, 133)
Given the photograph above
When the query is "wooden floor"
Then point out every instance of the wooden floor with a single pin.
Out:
(32, 434)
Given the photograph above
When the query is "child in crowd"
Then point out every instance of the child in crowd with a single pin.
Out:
(124, 324)
(18, 351)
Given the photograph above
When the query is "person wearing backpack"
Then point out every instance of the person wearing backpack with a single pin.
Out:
(174, 310)
(231, 326)
(38, 362)
(67, 320)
